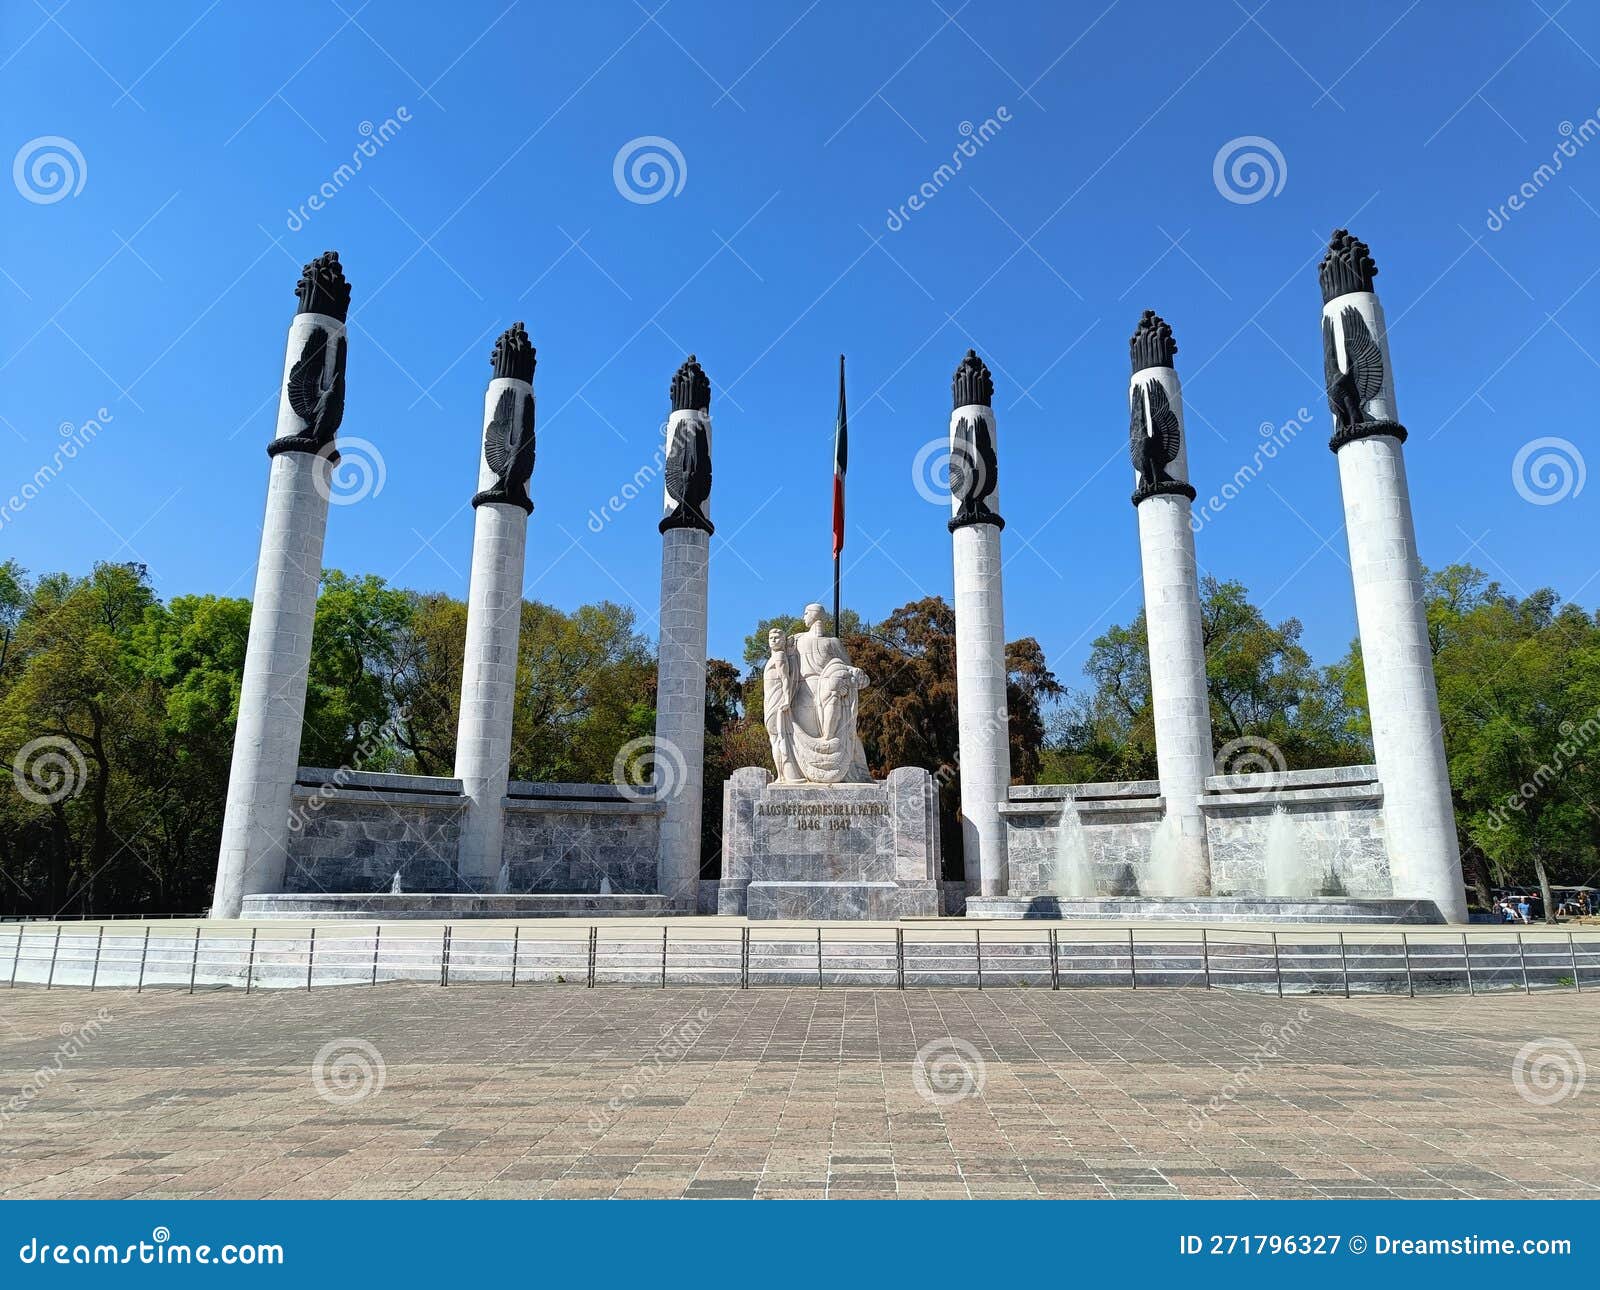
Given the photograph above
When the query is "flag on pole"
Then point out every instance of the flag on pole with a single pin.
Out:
(841, 452)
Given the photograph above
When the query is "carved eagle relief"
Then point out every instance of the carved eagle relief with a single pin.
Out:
(974, 469)
(316, 387)
(1154, 445)
(508, 447)
(1353, 387)
(688, 472)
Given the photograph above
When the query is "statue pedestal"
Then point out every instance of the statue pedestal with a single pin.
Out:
(830, 851)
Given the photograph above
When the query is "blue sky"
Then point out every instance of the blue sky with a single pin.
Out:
(161, 289)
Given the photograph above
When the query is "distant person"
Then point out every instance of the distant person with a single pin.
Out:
(1522, 909)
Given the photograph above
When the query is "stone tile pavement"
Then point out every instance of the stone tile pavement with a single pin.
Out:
(561, 1091)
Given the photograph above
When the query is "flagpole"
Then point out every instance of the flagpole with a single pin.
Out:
(839, 432)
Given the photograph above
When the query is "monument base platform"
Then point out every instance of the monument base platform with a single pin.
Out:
(830, 851)
(386, 906)
(1208, 909)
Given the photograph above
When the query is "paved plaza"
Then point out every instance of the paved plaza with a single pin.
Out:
(412, 1090)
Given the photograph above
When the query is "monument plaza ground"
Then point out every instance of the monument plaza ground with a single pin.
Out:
(556, 1091)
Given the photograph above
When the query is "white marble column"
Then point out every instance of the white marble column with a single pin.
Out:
(272, 696)
(1162, 497)
(679, 752)
(1391, 615)
(494, 607)
(983, 727)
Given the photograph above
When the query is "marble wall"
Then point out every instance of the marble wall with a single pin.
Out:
(353, 831)
(1337, 814)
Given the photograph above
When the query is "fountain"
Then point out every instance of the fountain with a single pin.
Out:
(502, 881)
(394, 886)
(1164, 875)
(1288, 870)
(605, 884)
(1072, 875)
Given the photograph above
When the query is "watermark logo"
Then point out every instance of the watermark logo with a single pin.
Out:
(1274, 439)
(48, 169)
(1251, 755)
(649, 168)
(1547, 1071)
(348, 1070)
(1275, 1039)
(947, 1070)
(1248, 169)
(649, 769)
(973, 138)
(75, 438)
(931, 469)
(373, 138)
(1572, 139)
(49, 769)
(1548, 470)
(359, 473)
(676, 1040)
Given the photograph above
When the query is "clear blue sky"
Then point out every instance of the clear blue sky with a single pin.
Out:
(161, 291)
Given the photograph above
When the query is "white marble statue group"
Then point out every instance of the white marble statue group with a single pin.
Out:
(810, 698)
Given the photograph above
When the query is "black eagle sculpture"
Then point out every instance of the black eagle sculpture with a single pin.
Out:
(1347, 269)
(508, 439)
(1155, 446)
(974, 472)
(688, 465)
(316, 390)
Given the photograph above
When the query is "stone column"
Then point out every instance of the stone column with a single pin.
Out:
(1162, 496)
(494, 606)
(982, 720)
(272, 696)
(1391, 617)
(679, 752)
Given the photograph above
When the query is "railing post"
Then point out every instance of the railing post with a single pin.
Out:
(16, 956)
(1133, 967)
(516, 944)
(50, 980)
(978, 943)
(1055, 961)
(1277, 964)
(663, 956)
(377, 940)
(143, 955)
(194, 959)
(1405, 946)
(1572, 951)
(1466, 955)
(249, 963)
(594, 935)
(94, 976)
(444, 956)
(1205, 956)
(1344, 966)
(899, 958)
(311, 956)
(1522, 957)
(819, 956)
(744, 958)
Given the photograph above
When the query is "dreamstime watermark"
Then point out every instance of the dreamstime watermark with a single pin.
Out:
(624, 497)
(649, 769)
(1275, 1040)
(348, 1070)
(359, 473)
(1274, 439)
(1547, 1071)
(373, 741)
(373, 138)
(1248, 169)
(973, 139)
(1575, 740)
(930, 471)
(1573, 138)
(49, 769)
(160, 1250)
(1250, 755)
(48, 169)
(75, 437)
(947, 1070)
(649, 168)
(75, 1039)
(676, 1040)
(1548, 470)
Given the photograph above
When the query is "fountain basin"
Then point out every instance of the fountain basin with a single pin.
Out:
(1208, 909)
